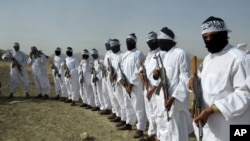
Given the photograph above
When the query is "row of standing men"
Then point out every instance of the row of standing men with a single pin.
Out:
(131, 86)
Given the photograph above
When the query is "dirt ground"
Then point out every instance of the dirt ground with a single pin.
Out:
(50, 120)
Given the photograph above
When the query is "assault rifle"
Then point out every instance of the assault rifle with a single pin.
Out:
(163, 84)
(145, 78)
(94, 78)
(81, 77)
(14, 62)
(67, 72)
(56, 72)
(123, 76)
(112, 74)
(197, 102)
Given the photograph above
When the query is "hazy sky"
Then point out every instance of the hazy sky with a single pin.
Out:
(88, 24)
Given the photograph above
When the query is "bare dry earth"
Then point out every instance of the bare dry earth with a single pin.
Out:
(49, 120)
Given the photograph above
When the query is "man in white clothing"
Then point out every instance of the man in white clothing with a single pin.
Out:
(149, 84)
(225, 98)
(71, 74)
(172, 96)
(17, 69)
(56, 67)
(130, 65)
(119, 95)
(37, 60)
(84, 71)
(106, 86)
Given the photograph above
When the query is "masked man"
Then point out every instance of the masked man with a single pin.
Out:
(56, 67)
(17, 69)
(37, 60)
(225, 98)
(130, 65)
(71, 74)
(149, 84)
(84, 71)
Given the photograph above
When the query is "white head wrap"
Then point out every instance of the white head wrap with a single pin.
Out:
(214, 24)
(58, 49)
(151, 36)
(85, 52)
(162, 35)
(132, 36)
(69, 49)
(94, 51)
(114, 42)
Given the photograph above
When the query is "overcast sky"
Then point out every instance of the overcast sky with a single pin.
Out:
(87, 24)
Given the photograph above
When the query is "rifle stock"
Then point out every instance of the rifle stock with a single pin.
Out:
(197, 102)
(94, 78)
(112, 73)
(15, 63)
(145, 78)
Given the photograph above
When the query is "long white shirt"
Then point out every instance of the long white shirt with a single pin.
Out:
(58, 60)
(177, 66)
(38, 65)
(130, 65)
(72, 64)
(85, 66)
(223, 82)
(18, 55)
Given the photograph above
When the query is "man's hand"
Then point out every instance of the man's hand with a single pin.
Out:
(169, 102)
(129, 88)
(204, 115)
(156, 74)
(122, 82)
(191, 83)
(151, 92)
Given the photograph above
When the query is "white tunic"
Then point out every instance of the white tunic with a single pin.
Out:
(223, 81)
(177, 65)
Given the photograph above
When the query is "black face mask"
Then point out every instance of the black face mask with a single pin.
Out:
(95, 56)
(115, 49)
(217, 42)
(130, 44)
(85, 57)
(16, 48)
(69, 53)
(166, 44)
(108, 47)
(57, 53)
(152, 44)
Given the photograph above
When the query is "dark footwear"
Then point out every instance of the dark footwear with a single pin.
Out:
(105, 112)
(10, 96)
(63, 99)
(88, 107)
(121, 123)
(83, 105)
(39, 96)
(68, 101)
(46, 97)
(56, 97)
(96, 109)
(27, 95)
(138, 134)
(73, 103)
(117, 119)
(149, 138)
(125, 127)
(112, 116)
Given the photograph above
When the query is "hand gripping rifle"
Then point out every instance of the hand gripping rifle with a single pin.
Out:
(56, 72)
(123, 76)
(15, 62)
(94, 79)
(145, 78)
(197, 102)
(163, 83)
(112, 74)
(67, 72)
